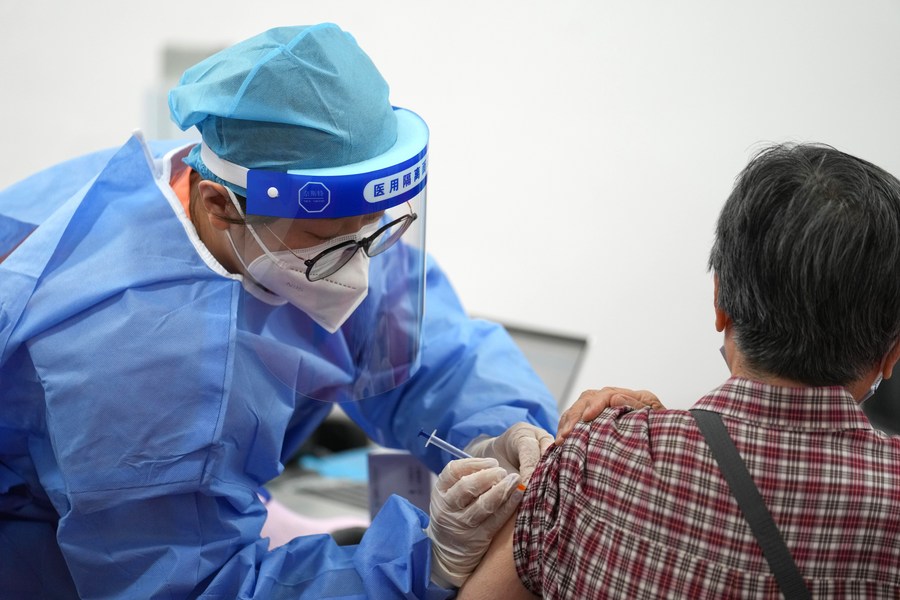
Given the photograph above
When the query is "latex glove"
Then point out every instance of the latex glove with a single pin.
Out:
(518, 449)
(593, 402)
(472, 499)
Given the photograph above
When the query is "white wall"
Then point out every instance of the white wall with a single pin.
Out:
(580, 150)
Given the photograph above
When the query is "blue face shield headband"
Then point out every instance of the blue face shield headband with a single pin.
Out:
(291, 216)
(369, 186)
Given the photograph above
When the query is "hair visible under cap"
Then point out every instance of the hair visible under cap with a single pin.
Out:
(807, 256)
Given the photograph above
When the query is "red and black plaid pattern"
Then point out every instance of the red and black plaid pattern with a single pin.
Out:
(634, 506)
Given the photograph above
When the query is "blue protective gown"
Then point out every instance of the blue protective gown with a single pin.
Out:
(136, 424)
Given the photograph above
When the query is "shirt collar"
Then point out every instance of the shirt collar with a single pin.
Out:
(795, 407)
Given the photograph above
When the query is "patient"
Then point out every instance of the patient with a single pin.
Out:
(806, 265)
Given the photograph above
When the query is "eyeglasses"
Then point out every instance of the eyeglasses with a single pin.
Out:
(332, 259)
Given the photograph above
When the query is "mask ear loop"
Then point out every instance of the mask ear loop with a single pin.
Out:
(253, 286)
(246, 274)
(256, 237)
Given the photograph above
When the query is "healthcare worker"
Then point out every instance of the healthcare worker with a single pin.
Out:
(175, 320)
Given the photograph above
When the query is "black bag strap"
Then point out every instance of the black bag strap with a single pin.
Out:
(752, 504)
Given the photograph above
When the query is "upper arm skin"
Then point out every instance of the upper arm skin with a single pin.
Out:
(496, 575)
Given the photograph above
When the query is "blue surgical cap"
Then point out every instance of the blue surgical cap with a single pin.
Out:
(300, 97)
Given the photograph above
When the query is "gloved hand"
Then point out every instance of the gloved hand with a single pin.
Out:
(518, 449)
(472, 500)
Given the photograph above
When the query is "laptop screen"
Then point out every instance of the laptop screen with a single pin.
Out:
(556, 358)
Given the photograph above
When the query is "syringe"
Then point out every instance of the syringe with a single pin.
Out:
(444, 445)
(453, 450)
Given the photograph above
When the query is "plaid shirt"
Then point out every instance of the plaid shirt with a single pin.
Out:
(634, 506)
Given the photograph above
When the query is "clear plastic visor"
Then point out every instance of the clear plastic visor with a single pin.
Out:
(333, 262)
(333, 307)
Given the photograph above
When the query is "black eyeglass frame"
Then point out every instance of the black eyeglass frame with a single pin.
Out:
(364, 243)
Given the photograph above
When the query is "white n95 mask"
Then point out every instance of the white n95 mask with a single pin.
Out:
(277, 278)
(330, 301)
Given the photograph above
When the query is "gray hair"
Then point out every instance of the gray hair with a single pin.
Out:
(807, 256)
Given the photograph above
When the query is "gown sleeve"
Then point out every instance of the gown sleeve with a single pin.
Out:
(196, 545)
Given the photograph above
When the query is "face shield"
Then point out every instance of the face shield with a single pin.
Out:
(333, 264)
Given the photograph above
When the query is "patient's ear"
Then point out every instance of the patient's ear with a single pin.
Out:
(722, 318)
(217, 203)
(890, 360)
